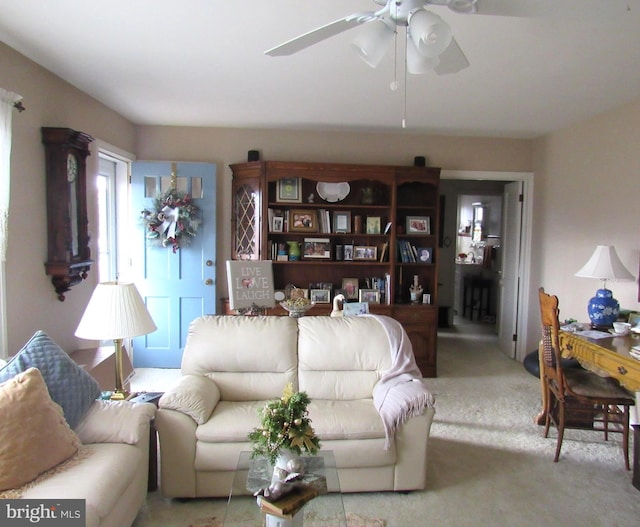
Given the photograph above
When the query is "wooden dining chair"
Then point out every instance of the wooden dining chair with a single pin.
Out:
(601, 400)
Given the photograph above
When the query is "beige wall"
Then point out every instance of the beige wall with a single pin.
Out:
(31, 300)
(587, 182)
(572, 166)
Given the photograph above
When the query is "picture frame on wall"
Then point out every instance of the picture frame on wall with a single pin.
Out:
(418, 225)
(365, 252)
(342, 221)
(289, 190)
(303, 220)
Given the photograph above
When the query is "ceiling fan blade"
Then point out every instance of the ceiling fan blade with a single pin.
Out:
(319, 34)
(452, 60)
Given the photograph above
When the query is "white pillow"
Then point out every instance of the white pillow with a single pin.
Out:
(114, 422)
(194, 395)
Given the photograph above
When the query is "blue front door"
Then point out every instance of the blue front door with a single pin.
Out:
(176, 286)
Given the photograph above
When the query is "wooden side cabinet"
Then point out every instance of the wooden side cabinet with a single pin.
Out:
(69, 258)
(324, 225)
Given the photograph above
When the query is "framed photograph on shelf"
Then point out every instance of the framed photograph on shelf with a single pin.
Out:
(353, 309)
(373, 225)
(320, 296)
(348, 252)
(297, 293)
(342, 221)
(303, 220)
(425, 254)
(634, 320)
(372, 296)
(365, 252)
(278, 222)
(289, 190)
(418, 225)
(350, 287)
(317, 248)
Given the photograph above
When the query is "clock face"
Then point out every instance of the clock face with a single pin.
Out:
(72, 168)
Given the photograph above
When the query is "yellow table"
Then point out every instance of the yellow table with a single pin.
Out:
(608, 357)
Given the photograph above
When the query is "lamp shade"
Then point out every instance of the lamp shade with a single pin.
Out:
(115, 311)
(373, 42)
(417, 63)
(604, 264)
(429, 32)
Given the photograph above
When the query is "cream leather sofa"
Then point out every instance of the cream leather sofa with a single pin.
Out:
(232, 365)
(113, 476)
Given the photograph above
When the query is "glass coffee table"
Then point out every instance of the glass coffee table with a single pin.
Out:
(326, 510)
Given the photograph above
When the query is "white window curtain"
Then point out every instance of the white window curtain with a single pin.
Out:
(7, 100)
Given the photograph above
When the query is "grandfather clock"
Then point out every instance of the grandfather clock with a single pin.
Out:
(69, 258)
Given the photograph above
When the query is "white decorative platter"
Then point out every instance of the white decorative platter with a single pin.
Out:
(333, 192)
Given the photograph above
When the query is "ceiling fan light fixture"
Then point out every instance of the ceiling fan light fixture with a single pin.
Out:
(373, 42)
(463, 6)
(430, 34)
(417, 63)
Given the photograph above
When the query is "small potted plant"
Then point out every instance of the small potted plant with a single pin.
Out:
(285, 428)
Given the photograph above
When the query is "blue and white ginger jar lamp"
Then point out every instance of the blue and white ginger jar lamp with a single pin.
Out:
(605, 265)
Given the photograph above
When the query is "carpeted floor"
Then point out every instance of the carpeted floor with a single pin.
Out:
(352, 521)
(488, 461)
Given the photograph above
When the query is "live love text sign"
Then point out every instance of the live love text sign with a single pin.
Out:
(250, 284)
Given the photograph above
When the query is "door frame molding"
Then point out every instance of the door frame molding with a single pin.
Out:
(525, 241)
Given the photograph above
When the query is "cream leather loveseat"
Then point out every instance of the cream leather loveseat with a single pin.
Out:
(232, 365)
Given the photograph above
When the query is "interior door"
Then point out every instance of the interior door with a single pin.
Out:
(509, 280)
(176, 286)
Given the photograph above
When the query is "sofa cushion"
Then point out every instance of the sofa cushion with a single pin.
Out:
(34, 436)
(69, 385)
(227, 349)
(194, 395)
(341, 358)
(230, 422)
(334, 420)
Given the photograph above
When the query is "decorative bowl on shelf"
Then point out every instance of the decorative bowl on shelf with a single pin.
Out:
(298, 307)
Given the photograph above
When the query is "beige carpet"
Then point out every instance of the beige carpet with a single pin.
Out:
(488, 461)
(352, 521)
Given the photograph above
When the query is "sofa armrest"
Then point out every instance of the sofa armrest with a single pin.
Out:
(116, 422)
(194, 395)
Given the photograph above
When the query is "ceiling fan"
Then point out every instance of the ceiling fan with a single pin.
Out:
(430, 43)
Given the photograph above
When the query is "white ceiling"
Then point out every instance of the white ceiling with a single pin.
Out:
(202, 63)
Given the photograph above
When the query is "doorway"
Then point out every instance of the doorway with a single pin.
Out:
(511, 321)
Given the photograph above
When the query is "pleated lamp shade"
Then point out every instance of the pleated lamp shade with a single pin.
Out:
(115, 311)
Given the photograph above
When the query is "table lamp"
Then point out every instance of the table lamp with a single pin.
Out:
(604, 264)
(115, 311)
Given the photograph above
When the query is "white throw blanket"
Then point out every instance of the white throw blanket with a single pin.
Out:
(400, 393)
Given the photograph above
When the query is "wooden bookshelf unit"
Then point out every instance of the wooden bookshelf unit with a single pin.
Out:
(385, 218)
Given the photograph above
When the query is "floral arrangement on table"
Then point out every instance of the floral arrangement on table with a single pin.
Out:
(173, 220)
(285, 424)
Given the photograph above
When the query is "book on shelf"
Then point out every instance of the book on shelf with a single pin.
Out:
(289, 504)
(383, 251)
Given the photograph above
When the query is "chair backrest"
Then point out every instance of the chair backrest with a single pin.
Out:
(551, 353)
